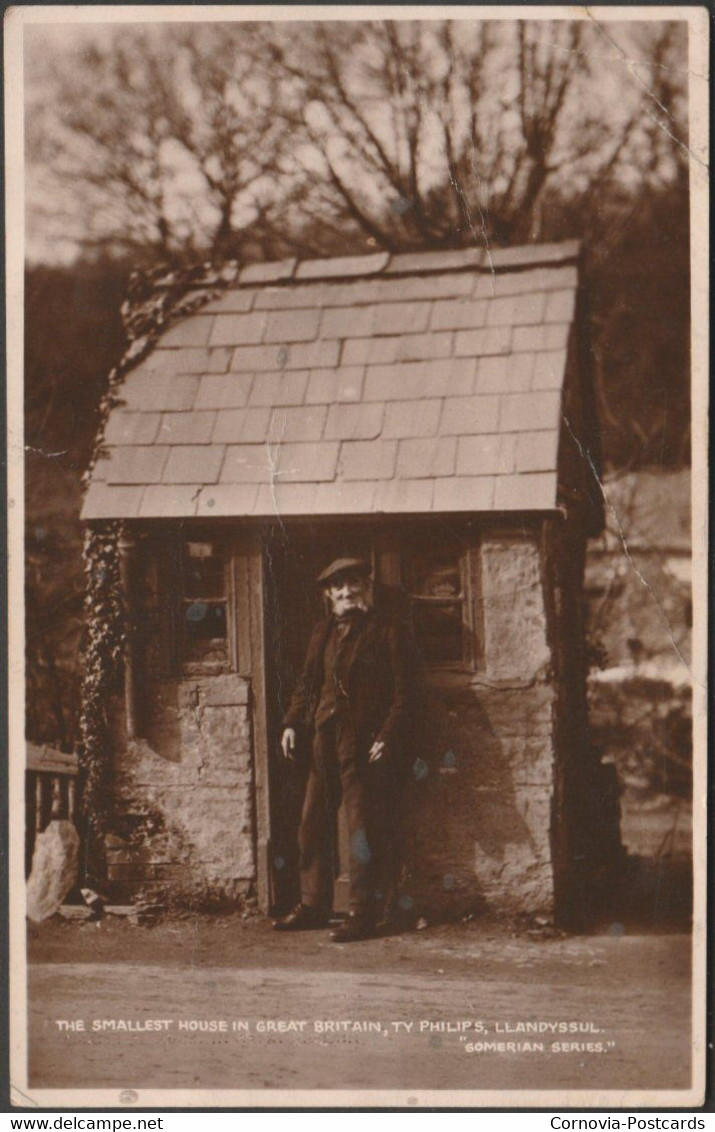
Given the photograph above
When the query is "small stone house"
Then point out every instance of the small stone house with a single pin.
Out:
(432, 412)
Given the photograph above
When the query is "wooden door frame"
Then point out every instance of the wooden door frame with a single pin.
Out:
(251, 588)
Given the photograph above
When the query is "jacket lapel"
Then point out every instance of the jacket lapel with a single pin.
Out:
(365, 636)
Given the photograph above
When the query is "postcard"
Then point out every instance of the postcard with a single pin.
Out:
(357, 447)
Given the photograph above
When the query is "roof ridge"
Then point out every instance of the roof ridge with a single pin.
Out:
(481, 260)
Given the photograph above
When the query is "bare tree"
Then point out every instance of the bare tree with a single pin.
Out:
(99, 137)
(442, 133)
(223, 115)
(399, 134)
(156, 141)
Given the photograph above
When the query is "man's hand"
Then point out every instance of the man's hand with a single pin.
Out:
(288, 743)
(377, 750)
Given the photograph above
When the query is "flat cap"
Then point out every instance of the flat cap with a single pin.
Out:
(344, 566)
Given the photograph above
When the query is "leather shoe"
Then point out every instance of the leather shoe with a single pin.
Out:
(302, 918)
(357, 926)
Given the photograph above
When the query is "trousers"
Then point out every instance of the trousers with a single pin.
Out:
(340, 771)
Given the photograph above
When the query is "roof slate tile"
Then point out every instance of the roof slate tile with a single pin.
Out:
(536, 451)
(292, 326)
(465, 493)
(192, 331)
(348, 322)
(479, 343)
(199, 360)
(99, 471)
(305, 423)
(286, 499)
(283, 388)
(289, 463)
(341, 267)
(258, 273)
(339, 498)
(301, 355)
(248, 426)
(409, 381)
(560, 306)
(435, 261)
(534, 253)
(166, 501)
(427, 457)
(516, 310)
(549, 370)
(236, 300)
(401, 318)
(131, 428)
(552, 336)
(504, 373)
(193, 463)
(136, 464)
(164, 392)
(239, 329)
(416, 287)
(354, 422)
(247, 463)
(394, 496)
(227, 499)
(412, 418)
(223, 390)
(535, 492)
(328, 385)
(525, 282)
(462, 377)
(491, 455)
(103, 501)
(186, 428)
(526, 412)
(402, 348)
(305, 297)
(459, 314)
(307, 463)
(469, 415)
(365, 351)
(421, 347)
(367, 459)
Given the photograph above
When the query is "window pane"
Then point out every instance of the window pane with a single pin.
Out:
(436, 573)
(439, 630)
(205, 632)
(204, 574)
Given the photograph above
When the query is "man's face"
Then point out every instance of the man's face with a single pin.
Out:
(348, 593)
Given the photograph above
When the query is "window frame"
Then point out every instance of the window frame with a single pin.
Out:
(180, 601)
(466, 546)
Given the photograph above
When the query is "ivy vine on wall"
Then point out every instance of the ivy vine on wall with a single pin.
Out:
(154, 300)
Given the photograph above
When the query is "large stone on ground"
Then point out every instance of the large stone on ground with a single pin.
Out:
(54, 869)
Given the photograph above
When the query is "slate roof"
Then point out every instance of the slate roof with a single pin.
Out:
(407, 383)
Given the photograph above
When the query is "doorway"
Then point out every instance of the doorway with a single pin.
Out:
(294, 556)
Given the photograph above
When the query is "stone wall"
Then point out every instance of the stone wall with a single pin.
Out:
(478, 807)
(185, 786)
(187, 791)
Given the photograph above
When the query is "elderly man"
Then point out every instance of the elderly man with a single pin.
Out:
(354, 698)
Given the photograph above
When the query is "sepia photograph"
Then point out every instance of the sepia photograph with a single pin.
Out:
(357, 448)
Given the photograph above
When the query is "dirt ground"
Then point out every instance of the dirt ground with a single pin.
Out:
(389, 1001)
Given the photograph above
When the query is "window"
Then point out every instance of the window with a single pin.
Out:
(436, 578)
(203, 631)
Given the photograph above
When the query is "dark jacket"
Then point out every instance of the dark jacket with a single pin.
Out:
(381, 683)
